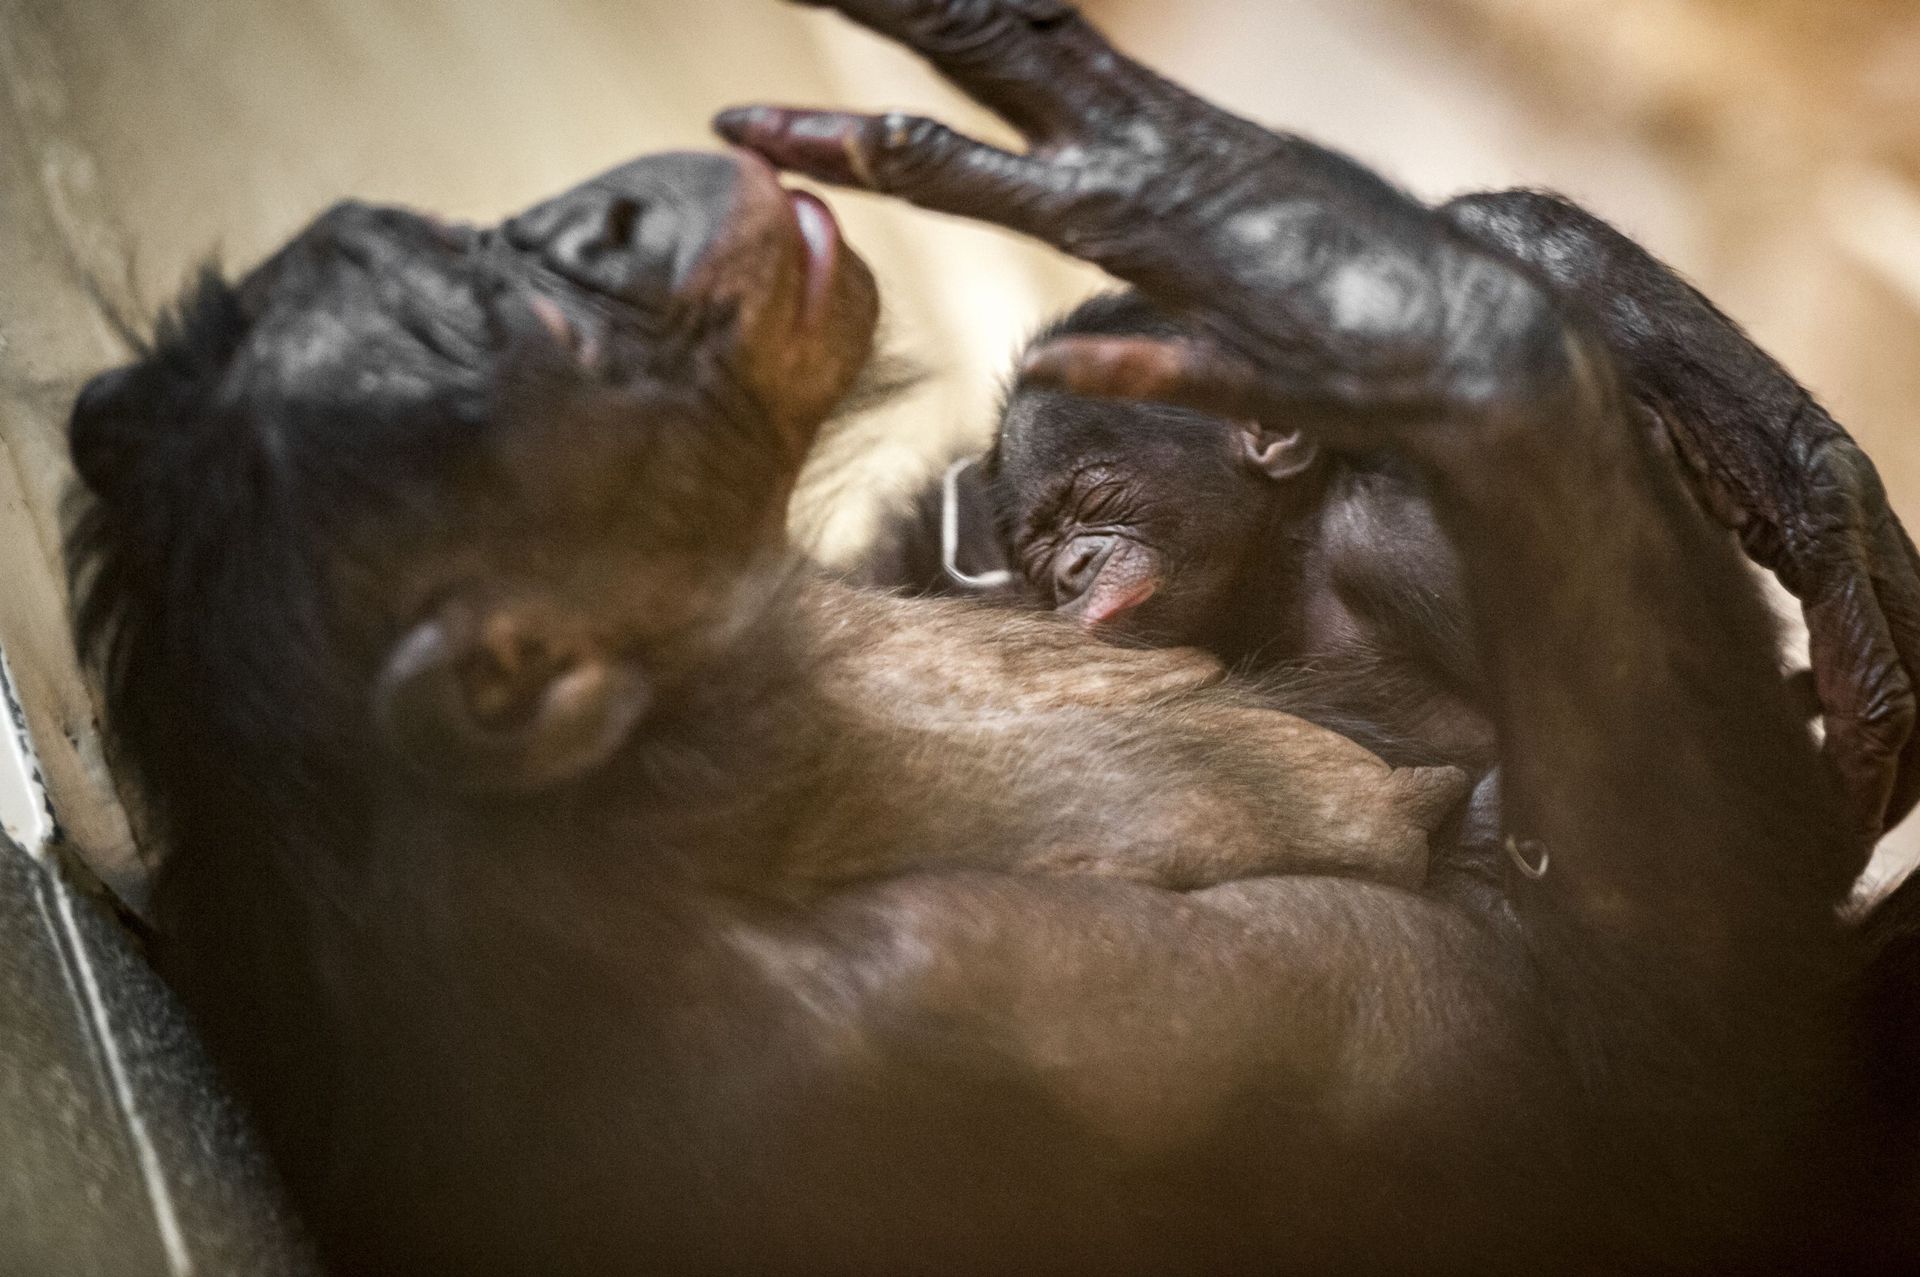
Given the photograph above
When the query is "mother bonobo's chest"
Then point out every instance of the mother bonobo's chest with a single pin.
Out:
(1021, 743)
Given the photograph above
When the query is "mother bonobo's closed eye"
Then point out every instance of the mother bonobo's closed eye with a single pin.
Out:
(503, 469)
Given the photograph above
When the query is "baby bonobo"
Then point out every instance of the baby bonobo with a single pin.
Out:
(510, 762)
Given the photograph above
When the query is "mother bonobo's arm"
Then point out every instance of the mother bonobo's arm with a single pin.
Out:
(1683, 923)
(1092, 1076)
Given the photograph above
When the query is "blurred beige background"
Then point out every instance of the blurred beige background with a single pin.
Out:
(1769, 148)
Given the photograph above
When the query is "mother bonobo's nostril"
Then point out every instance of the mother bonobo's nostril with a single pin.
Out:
(633, 233)
(593, 231)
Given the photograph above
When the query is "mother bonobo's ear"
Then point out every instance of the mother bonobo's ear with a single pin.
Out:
(506, 695)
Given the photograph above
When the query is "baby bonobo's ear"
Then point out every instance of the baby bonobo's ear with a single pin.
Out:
(506, 695)
(1278, 454)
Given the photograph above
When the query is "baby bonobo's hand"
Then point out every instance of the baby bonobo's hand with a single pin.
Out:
(1318, 288)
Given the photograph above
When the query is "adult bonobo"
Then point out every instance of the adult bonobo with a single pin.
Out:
(557, 866)
(572, 883)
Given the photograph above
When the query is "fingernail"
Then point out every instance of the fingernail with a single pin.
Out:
(737, 122)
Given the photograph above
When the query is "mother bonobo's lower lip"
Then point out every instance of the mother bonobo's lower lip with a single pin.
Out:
(765, 221)
(801, 303)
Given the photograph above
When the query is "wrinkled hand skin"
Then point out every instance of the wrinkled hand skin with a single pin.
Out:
(1325, 291)
(1769, 462)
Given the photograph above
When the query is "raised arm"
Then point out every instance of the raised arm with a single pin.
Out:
(1771, 464)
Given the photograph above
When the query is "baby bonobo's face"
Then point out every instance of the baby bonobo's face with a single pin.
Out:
(1122, 515)
(1136, 518)
(504, 461)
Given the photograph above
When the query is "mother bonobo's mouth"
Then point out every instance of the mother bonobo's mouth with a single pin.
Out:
(715, 234)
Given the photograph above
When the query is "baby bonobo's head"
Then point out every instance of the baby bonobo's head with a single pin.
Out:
(486, 485)
(1163, 526)
(1135, 517)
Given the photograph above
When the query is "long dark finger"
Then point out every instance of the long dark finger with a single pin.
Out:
(1770, 463)
(919, 160)
(1035, 63)
(1897, 588)
(1859, 577)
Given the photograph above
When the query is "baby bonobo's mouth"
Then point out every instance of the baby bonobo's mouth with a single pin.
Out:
(1111, 576)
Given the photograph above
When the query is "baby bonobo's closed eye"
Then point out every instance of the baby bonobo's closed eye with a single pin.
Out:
(506, 696)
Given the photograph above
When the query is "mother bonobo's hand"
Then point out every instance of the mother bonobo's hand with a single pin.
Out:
(1320, 286)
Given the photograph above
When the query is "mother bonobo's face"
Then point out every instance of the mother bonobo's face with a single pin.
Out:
(497, 474)
(703, 257)
(672, 279)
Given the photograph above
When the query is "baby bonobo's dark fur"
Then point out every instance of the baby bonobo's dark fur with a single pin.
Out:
(1170, 526)
(1166, 526)
(524, 792)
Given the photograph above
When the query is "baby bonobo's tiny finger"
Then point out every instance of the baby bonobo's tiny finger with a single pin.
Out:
(917, 159)
(1186, 373)
(1343, 409)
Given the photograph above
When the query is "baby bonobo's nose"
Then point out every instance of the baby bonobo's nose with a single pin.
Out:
(633, 233)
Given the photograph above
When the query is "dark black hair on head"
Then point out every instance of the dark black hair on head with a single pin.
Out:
(120, 412)
(1125, 313)
(172, 546)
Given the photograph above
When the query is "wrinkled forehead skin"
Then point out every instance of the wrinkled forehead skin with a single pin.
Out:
(1049, 441)
(388, 305)
(1045, 431)
(368, 303)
